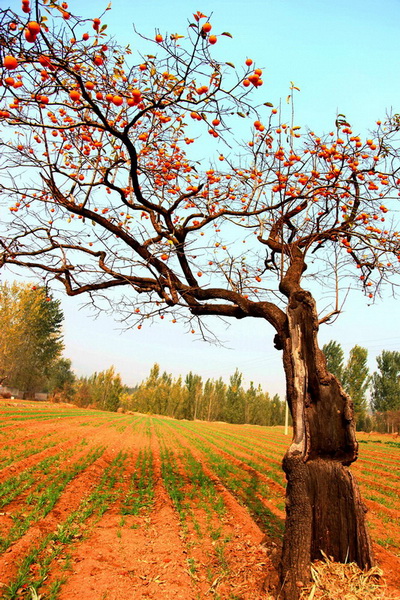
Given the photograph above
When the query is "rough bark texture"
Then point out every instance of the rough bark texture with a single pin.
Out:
(324, 511)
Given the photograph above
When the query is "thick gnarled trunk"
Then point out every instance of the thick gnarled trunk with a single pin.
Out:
(324, 512)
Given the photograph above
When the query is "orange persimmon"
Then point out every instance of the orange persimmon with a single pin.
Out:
(10, 62)
(75, 95)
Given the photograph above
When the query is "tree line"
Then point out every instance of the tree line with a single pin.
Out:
(376, 396)
(210, 400)
(31, 360)
(188, 398)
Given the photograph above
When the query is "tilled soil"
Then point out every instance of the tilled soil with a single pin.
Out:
(178, 526)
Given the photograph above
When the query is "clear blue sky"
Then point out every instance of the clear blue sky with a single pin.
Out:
(344, 55)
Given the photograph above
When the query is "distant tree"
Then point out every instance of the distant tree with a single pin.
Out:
(252, 401)
(61, 380)
(386, 382)
(276, 412)
(146, 397)
(235, 399)
(107, 389)
(387, 421)
(356, 380)
(31, 337)
(148, 391)
(208, 399)
(260, 407)
(177, 397)
(368, 423)
(213, 401)
(103, 390)
(194, 387)
(159, 393)
(334, 358)
(83, 392)
(392, 419)
(217, 407)
(162, 397)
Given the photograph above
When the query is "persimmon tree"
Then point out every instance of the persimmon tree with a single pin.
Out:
(130, 179)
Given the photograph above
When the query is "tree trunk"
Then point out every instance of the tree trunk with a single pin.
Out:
(324, 512)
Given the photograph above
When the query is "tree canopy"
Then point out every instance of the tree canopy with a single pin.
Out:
(118, 196)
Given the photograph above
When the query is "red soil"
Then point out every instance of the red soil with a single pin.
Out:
(155, 554)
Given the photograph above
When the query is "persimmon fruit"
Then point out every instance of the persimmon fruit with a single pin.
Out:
(10, 62)
(117, 100)
(75, 95)
(44, 61)
(30, 37)
(33, 27)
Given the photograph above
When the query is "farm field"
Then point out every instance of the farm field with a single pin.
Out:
(106, 506)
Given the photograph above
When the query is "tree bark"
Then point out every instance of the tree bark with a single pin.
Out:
(324, 511)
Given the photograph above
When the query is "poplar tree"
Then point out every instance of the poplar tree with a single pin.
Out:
(31, 338)
(356, 381)
(334, 358)
(386, 382)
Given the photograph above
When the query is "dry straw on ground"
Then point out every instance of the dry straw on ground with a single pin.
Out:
(337, 581)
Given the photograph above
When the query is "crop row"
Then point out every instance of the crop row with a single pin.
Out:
(210, 486)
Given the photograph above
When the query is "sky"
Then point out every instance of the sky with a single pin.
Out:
(344, 57)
